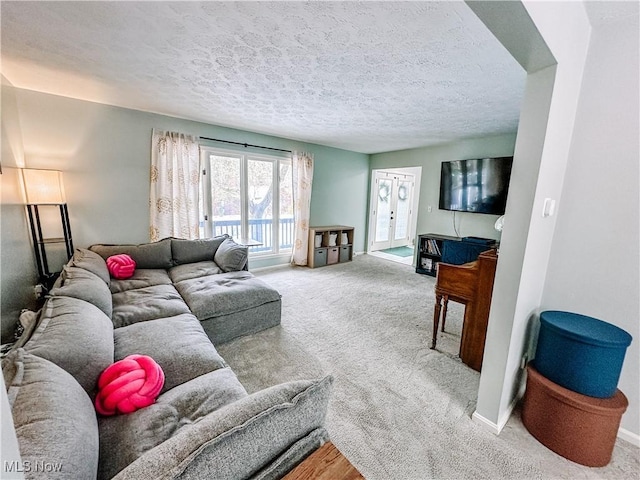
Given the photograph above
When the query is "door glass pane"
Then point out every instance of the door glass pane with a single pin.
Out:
(225, 196)
(260, 202)
(383, 210)
(402, 210)
(286, 206)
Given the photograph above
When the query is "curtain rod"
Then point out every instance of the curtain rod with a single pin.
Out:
(245, 145)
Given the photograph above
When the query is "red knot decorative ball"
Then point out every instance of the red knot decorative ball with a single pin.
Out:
(129, 384)
(121, 266)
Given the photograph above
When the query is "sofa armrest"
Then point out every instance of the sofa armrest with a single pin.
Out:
(238, 440)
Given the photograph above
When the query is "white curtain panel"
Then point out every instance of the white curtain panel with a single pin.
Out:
(175, 176)
(302, 169)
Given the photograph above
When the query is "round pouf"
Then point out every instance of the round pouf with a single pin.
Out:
(121, 266)
(129, 384)
(581, 353)
(578, 427)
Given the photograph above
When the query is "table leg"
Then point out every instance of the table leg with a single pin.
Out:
(444, 310)
(436, 321)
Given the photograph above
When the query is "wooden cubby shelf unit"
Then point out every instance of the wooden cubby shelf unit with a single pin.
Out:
(334, 245)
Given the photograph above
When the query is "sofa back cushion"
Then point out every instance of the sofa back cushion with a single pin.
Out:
(75, 335)
(230, 256)
(192, 251)
(146, 255)
(54, 419)
(80, 283)
(91, 261)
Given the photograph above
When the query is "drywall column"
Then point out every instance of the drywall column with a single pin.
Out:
(527, 235)
(507, 325)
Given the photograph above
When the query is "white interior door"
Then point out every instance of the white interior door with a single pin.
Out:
(392, 198)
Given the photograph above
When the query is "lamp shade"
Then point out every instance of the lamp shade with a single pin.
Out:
(43, 187)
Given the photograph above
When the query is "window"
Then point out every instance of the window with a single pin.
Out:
(249, 197)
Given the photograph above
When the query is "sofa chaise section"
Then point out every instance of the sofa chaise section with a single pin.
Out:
(206, 277)
(231, 304)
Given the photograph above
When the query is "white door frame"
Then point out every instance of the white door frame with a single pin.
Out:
(413, 221)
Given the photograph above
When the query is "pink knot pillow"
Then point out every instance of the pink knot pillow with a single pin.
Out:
(121, 266)
(129, 384)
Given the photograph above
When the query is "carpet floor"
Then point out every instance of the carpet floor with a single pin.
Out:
(398, 410)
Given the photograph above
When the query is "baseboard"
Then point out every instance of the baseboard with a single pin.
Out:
(496, 428)
(630, 437)
(491, 426)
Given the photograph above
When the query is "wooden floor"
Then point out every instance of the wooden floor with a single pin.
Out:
(326, 463)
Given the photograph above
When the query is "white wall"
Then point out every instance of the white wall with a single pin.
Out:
(430, 158)
(593, 268)
(10, 450)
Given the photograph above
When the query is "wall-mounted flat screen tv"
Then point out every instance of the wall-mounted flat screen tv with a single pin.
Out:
(477, 186)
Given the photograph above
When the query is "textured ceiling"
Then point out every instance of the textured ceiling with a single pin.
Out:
(363, 76)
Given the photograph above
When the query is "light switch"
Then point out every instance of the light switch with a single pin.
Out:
(549, 207)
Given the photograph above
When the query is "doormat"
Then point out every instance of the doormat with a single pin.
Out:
(399, 251)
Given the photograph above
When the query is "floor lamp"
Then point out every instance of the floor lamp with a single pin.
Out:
(45, 188)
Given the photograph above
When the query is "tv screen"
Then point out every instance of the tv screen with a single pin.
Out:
(478, 186)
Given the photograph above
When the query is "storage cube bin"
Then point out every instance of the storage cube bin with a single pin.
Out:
(578, 427)
(581, 353)
(320, 257)
(333, 255)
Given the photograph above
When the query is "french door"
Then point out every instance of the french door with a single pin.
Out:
(392, 197)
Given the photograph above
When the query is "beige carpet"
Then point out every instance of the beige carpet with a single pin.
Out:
(399, 410)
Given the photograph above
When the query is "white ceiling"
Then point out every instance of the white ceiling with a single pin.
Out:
(363, 76)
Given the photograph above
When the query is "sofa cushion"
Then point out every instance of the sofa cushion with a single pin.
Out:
(146, 255)
(91, 261)
(193, 270)
(75, 335)
(230, 256)
(192, 251)
(28, 320)
(142, 277)
(80, 283)
(53, 417)
(238, 440)
(149, 303)
(216, 295)
(125, 438)
(178, 344)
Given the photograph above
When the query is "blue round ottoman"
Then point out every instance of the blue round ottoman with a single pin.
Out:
(581, 353)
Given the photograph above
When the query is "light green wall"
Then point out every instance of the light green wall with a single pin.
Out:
(430, 158)
(105, 153)
(17, 264)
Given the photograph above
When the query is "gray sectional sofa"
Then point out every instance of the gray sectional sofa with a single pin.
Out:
(182, 296)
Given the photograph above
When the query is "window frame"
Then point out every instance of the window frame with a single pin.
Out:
(244, 157)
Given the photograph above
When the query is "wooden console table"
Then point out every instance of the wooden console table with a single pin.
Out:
(326, 463)
(472, 285)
